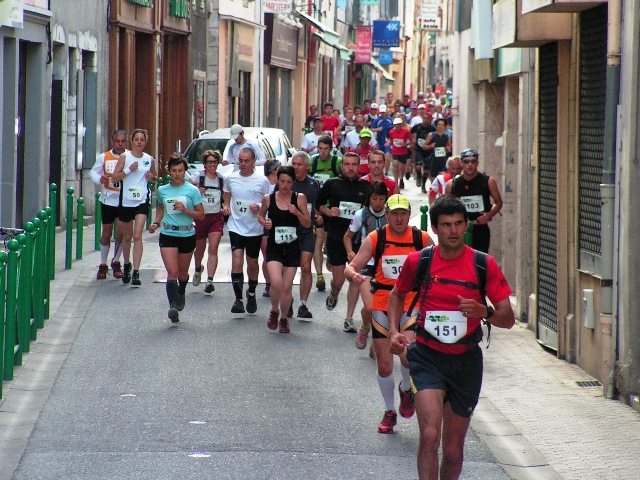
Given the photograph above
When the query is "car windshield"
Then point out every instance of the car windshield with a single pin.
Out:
(198, 146)
(274, 140)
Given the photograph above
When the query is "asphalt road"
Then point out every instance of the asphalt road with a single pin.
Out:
(219, 397)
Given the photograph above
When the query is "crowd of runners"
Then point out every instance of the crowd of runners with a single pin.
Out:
(421, 302)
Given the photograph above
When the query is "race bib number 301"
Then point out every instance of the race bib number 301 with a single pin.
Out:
(446, 326)
(392, 265)
(170, 204)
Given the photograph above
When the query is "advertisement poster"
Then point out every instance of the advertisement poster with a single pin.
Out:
(363, 45)
(386, 33)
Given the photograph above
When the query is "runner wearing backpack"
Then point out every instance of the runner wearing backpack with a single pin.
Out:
(445, 360)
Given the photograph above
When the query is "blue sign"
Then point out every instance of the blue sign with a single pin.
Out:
(386, 33)
(385, 57)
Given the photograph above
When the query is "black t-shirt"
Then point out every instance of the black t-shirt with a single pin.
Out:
(421, 131)
(478, 186)
(310, 188)
(337, 190)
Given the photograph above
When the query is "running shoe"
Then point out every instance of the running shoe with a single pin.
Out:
(401, 183)
(372, 352)
(332, 300)
(303, 312)
(348, 326)
(126, 274)
(209, 288)
(102, 271)
(117, 269)
(320, 284)
(407, 175)
(197, 276)
(267, 289)
(252, 305)
(406, 403)
(180, 301)
(290, 312)
(273, 320)
(362, 337)
(388, 422)
(135, 279)
(284, 325)
(173, 315)
(238, 307)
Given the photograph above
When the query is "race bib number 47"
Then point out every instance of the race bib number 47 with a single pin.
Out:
(241, 208)
(446, 326)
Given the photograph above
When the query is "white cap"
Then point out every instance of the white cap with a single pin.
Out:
(420, 94)
(236, 130)
(422, 105)
(382, 109)
(397, 121)
(374, 106)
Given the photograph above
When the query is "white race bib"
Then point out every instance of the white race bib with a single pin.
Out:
(110, 166)
(211, 198)
(349, 128)
(420, 142)
(170, 204)
(473, 203)
(328, 132)
(446, 326)
(392, 265)
(309, 208)
(134, 194)
(242, 208)
(348, 209)
(321, 178)
(398, 142)
(440, 152)
(364, 160)
(285, 234)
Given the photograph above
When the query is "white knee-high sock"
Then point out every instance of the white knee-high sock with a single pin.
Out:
(104, 252)
(405, 386)
(387, 387)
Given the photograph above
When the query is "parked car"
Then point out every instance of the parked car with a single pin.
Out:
(218, 141)
(278, 139)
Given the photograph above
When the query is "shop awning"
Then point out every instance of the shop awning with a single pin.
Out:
(387, 76)
(334, 41)
(316, 23)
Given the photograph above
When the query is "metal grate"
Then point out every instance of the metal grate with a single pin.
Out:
(547, 187)
(588, 383)
(593, 76)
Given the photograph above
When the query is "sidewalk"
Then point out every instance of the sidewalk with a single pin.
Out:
(535, 418)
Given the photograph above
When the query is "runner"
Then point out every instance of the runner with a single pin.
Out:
(310, 188)
(243, 192)
(376, 164)
(287, 212)
(134, 170)
(438, 187)
(400, 142)
(440, 142)
(310, 140)
(237, 141)
(367, 219)
(389, 247)
(476, 190)
(324, 166)
(210, 185)
(101, 174)
(421, 151)
(330, 122)
(381, 126)
(445, 360)
(271, 168)
(179, 204)
(339, 199)
(363, 148)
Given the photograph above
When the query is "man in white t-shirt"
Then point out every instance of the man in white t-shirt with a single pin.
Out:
(237, 142)
(353, 137)
(243, 192)
(310, 140)
(417, 119)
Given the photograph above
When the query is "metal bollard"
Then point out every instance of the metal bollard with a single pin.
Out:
(98, 225)
(53, 199)
(39, 273)
(48, 259)
(167, 179)
(24, 295)
(12, 355)
(423, 217)
(3, 279)
(468, 234)
(69, 230)
(48, 217)
(151, 186)
(29, 262)
(79, 228)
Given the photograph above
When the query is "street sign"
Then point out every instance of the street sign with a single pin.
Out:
(385, 57)
(386, 33)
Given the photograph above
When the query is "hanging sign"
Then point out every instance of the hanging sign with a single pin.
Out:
(386, 33)
(363, 45)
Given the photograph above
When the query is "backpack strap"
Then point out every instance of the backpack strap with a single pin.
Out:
(423, 275)
(314, 165)
(201, 180)
(480, 262)
(334, 165)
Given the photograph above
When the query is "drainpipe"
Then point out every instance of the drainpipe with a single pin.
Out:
(607, 188)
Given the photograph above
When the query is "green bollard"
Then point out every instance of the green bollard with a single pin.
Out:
(48, 255)
(32, 289)
(3, 282)
(12, 355)
(53, 199)
(24, 295)
(98, 225)
(69, 230)
(48, 217)
(167, 179)
(151, 186)
(79, 228)
(423, 217)
(39, 273)
(468, 235)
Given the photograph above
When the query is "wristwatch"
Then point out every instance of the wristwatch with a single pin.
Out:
(490, 312)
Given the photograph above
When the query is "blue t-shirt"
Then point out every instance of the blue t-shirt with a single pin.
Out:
(386, 124)
(168, 195)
